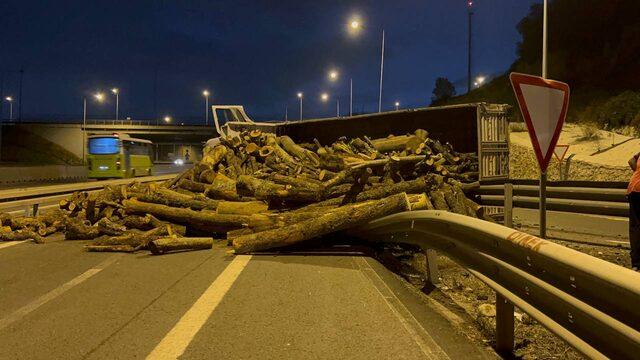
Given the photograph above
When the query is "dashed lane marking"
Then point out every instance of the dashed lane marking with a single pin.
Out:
(10, 243)
(35, 304)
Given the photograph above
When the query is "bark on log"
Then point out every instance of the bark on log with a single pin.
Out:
(438, 200)
(76, 229)
(20, 235)
(335, 220)
(241, 208)
(301, 153)
(222, 188)
(165, 245)
(201, 220)
(266, 190)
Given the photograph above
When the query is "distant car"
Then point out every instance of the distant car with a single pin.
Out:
(178, 162)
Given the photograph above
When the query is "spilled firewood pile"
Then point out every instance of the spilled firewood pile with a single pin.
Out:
(259, 191)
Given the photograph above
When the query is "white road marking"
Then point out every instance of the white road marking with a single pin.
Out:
(6, 244)
(181, 335)
(35, 304)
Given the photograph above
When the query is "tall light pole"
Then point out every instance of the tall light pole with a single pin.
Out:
(470, 13)
(381, 72)
(337, 107)
(206, 93)
(300, 96)
(543, 174)
(350, 96)
(355, 25)
(99, 98)
(116, 92)
(10, 100)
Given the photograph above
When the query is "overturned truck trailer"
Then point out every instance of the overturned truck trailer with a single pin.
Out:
(477, 127)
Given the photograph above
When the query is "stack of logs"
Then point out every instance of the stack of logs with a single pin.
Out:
(260, 191)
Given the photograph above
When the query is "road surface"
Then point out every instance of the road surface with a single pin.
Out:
(59, 302)
(158, 169)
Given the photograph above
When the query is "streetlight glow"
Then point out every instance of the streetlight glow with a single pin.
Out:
(324, 97)
(205, 93)
(333, 75)
(115, 91)
(354, 25)
(9, 98)
(99, 96)
(299, 95)
(167, 119)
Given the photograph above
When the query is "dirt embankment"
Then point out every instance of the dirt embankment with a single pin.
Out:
(523, 165)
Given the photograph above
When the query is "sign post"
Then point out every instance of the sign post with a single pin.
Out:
(559, 152)
(543, 104)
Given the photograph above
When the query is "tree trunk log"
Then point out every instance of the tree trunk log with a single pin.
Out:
(201, 220)
(336, 220)
(241, 208)
(165, 245)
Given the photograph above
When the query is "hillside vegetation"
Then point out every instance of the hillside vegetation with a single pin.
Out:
(594, 46)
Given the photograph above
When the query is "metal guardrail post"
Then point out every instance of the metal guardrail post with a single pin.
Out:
(433, 275)
(35, 209)
(504, 325)
(508, 205)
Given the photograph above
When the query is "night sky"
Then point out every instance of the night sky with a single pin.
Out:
(256, 53)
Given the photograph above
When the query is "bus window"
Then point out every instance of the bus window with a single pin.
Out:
(104, 146)
(136, 148)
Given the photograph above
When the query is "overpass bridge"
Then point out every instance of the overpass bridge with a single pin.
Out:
(170, 140)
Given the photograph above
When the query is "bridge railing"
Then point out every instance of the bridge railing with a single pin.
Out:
(590, 303)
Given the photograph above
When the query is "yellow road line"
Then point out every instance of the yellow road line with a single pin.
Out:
(10, 243)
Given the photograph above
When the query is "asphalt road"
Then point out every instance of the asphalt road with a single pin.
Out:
(59, 302)
(158, 169)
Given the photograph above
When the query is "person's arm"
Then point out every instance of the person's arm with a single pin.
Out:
(633, 162)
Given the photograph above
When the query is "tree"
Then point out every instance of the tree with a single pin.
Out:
(444, 90)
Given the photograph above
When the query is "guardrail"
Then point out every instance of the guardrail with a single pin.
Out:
(590, 303)
(31, 198)
(579, 197)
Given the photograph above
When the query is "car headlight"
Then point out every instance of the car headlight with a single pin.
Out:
(178, 162)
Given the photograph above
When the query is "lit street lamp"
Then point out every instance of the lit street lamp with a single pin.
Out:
(205, 93)
(397, 104)
(355, 25)
(116, 92)
(99, 98)
(300, 96)
(167, 119)
(333, 75)
(10, 100)
(324, 97)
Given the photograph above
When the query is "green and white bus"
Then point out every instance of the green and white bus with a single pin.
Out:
(118, 156)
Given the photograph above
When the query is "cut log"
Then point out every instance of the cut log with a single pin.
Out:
(336, 220)
(165, 245)
(201, 220)
(241, 208)
(20, 235)
(266, 190)
(222, 188)
(301, 153)
(76, 229)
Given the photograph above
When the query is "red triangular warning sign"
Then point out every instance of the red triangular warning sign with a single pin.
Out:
(543, 104)
(560, 151)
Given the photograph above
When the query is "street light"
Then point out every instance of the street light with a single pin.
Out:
(205, 93)
(99, 98)
(324, 97)
(167, 119)
(116, 92)
(333, 75)
(397, 104)
(10, 100)
(300, 96)
(355, 25)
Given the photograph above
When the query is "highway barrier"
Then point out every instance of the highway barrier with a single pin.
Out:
(31, 199)
(588, 302)
(577, 197)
